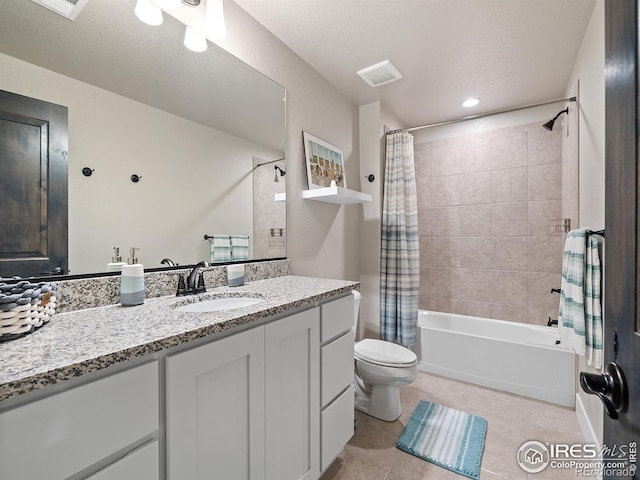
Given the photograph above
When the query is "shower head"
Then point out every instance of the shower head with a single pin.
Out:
(549, 124)
(282, 173)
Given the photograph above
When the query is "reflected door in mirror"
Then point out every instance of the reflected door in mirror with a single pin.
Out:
(33, 186)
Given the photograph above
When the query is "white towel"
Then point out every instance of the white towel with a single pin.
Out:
(239, 247)
(220, 248)
(580, 311)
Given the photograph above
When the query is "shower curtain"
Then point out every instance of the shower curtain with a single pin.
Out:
(400, 249)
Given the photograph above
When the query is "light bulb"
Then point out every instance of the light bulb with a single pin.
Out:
(470, 102)
(194, 41)
(148, 12)
(214, 20)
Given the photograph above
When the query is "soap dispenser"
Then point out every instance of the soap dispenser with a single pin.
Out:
(132, 281)
(116, 261)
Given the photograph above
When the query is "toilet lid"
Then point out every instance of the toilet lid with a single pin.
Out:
(384, 353)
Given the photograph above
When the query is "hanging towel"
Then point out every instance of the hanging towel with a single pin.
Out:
(580, 311)
(220, 248)
(239, 247)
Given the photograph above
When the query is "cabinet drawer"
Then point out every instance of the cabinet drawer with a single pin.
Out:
(74, 429)
(336, 367)
(336, 423)
(337, 317)
(141, 464)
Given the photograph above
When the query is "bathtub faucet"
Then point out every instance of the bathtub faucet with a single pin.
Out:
(551, 322)
(555, 290)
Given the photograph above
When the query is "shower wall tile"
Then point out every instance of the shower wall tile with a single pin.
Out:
(474, 221)
(510, 253)
(510, 185)
(512, 313)
(444, 160)
(540, 285)
(544, 146)
(509, 151)
(540, 215)
(475, 156)
(445, 190)
(422, 160)
(475, 188)
(423, 192)
(545, 182)
(486, 202)
(510, 219)
(445, 221)
(474, 252)
(546, 254)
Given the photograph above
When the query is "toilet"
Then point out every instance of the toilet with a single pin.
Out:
(381, 368)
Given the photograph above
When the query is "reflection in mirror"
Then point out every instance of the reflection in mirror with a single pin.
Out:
(191, 126)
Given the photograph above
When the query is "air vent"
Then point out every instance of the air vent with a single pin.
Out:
(67, 8)
(380, 74)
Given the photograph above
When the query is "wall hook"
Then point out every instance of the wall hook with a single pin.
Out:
(86, 171)
(370, 177)
(136, 178)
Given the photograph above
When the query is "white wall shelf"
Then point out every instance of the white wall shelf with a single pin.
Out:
(335, 194)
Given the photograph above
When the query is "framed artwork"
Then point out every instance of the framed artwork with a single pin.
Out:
(324, 163)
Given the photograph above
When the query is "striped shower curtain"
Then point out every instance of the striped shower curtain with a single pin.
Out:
(400, 252)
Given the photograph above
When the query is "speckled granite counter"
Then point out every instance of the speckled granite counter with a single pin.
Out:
(84, 341)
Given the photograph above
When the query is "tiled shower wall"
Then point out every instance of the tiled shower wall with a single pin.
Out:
(486, 203)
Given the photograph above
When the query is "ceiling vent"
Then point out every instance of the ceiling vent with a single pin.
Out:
(67, 8)
(380, 74)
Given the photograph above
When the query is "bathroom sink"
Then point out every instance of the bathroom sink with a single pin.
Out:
(219, 304)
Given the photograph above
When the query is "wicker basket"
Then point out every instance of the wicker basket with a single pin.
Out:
(25, 307)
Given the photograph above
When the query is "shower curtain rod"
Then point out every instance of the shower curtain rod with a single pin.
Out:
(480, 115)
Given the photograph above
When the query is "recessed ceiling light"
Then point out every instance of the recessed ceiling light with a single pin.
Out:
(470, 102)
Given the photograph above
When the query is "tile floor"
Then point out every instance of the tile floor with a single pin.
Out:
(371, 453)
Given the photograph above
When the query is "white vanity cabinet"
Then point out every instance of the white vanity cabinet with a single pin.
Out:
(246, 406)
(85, 427)
(337, 393)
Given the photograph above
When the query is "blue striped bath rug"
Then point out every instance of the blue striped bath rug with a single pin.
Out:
(449, 438)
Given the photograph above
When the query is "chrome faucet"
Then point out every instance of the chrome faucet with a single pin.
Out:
(191, 279)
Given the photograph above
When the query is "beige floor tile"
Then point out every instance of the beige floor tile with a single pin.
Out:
(371, 453)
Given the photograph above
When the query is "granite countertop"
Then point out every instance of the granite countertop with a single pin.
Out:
(80, 342)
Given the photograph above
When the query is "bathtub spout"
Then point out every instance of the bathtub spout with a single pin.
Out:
(551, 322)
(555, 290)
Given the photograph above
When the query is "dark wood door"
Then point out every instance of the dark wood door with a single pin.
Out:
(622, 263)
(33, 187)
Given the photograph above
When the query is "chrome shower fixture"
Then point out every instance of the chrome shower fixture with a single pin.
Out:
(281, 171)
(549, 124)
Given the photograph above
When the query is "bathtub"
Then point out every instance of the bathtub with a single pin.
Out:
(514, 357)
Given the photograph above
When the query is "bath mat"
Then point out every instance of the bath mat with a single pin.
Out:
(449, 438)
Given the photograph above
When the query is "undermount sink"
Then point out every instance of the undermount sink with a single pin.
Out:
(219, 304)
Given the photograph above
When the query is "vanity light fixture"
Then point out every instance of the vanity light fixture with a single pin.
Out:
(148, 13)
(169, 4)
(470, 102)
(194, 41)
(214, 20)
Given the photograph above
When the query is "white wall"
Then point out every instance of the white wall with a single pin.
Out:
(187, 188)
(588, 69)
(322, 239)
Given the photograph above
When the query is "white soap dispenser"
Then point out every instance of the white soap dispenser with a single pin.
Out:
(132, 281)
(116, 261)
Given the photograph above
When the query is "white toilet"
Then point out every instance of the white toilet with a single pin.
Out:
(381, 368)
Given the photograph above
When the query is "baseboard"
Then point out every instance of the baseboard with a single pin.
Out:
(585, 424)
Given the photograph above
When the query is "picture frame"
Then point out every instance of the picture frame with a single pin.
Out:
(325, 163)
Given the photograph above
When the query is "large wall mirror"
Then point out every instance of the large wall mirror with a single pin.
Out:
(202, 131)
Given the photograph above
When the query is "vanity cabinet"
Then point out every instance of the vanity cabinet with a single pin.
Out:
(96, 423)
(337, 393)
(246, 406)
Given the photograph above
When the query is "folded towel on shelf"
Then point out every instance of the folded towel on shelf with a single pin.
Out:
(580, 310)
(239, 247)
(220, 248)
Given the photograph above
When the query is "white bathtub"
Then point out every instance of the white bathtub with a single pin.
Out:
(513, 357)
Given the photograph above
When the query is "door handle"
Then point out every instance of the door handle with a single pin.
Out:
(610, 387)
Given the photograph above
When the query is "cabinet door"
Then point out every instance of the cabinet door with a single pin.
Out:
(141, 464)
(215, 410)
(292, 349)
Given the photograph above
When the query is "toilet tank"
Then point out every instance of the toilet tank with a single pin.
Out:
(356, 308)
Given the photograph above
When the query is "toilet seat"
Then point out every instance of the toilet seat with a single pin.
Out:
(383, 353)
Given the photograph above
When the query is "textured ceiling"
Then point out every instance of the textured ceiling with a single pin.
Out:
(508, 53)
